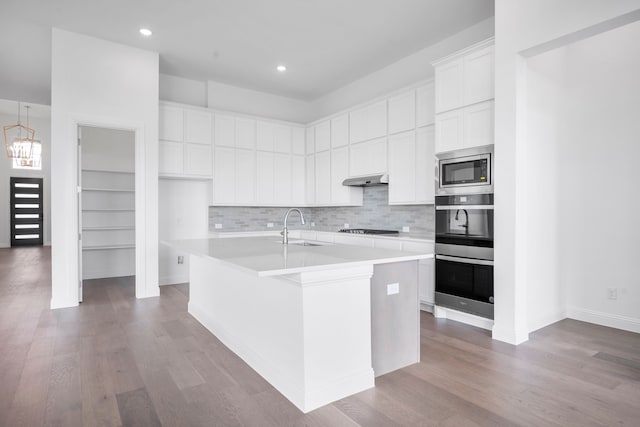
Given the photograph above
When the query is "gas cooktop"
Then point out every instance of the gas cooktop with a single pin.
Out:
(368, 231)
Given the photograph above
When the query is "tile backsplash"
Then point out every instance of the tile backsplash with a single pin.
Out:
(374, 213)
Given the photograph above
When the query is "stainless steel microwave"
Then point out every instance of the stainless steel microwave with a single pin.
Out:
(467, 171)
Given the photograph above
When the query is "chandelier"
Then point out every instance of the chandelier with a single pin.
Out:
(19, 139)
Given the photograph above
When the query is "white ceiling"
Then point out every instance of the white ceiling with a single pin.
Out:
(325, 44)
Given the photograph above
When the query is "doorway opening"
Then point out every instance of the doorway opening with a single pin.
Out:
(106, 204)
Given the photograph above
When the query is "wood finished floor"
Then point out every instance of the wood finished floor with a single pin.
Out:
(116, 360)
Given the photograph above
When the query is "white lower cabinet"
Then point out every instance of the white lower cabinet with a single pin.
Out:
(411, 167)
(466, 127)
(426, 281)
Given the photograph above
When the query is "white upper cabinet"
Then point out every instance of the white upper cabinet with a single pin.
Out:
(310, 140)
(340, 131)
(245, 176)
(310, 181)
(368, 158)
(198, 127)
(297, 140)
(425, 165)
(224, 131)
(467, 127)
(171, 161)
(449, 131)
(245, 133)
(298, 189)
(265, 178)
(224, 175)
(265, 136)
(282, 139)
(465, 78)
(478, 76)
(368, 123)
(425, 106)
(411, 167)
(197, 160)
(402, 112)
(339, 172)
(282, 179)
(323, 178)
(323, 136)
(171, 123)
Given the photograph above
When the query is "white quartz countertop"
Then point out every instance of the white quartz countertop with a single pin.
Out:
(267, 256)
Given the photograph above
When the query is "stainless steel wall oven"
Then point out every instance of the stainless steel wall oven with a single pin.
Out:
(464, 253)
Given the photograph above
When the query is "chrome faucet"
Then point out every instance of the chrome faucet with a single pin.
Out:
(466, 221)
(285, 230)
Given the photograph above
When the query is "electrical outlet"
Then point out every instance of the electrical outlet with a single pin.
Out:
(269, 225)
(313, 224)
(180, 259)
(346, 225)
(217, 226)
(405, 229)
(612, 293)
(393, 288)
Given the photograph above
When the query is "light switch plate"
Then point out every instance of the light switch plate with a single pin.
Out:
(269, 225)
(393, 288)
(217, 226)
(346, 225)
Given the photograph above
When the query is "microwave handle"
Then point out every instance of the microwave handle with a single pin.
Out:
(464, 260)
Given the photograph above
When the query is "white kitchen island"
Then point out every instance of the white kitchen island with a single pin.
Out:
(298, 315)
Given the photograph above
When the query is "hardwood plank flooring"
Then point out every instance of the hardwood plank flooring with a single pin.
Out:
(118, 361)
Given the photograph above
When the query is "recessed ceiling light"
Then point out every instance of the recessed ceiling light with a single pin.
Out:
(281, 68)
(145, 32)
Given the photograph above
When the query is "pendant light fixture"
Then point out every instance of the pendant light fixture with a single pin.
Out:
(19, 139)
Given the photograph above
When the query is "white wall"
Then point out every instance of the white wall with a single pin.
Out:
(599, 186)
(95, 82)
(405, 72)
(184, 214)
(42, 127)
(523, 25)
(240, 100)
(546, 95)
(184, 91)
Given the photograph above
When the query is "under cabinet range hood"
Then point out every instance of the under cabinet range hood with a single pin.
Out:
(366, 181)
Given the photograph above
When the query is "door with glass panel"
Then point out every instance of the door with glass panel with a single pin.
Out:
(26, 211)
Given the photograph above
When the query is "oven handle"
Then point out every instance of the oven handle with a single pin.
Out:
(456, 207)
(464, 260)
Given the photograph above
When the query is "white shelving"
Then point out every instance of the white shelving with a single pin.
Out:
(107, 197)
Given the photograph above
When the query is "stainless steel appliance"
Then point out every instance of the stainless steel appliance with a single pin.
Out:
(368, 231)
(468, 171)
(464, 253)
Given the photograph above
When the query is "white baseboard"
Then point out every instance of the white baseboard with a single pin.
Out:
(426, 306)
(545, 321)
(173, 279)
(626, 323)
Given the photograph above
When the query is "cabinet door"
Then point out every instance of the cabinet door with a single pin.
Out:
(478, 125)
(197, 159)
(171, 123)
(223, 175)
(264, 178)
(282, 139)
(310, 140)
(340, 131)
(323, 178)
(368, 158)
(402, 168)
(245, 176)
(198, 127)
(297, 140)
(224, 131)
(339, 172)
(245, 133)
(377, 120)
(425, 165)
(449, 131)
(282, 179)
(298, 190)
(170, 155)
(478, 76)
(265, 136)
(425, 105)
(323, 136)
(426, 280)
(310, 171)
(448, 86)
(402, 112)
(358, 125)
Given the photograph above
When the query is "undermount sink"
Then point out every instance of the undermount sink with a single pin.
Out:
(308, 243)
